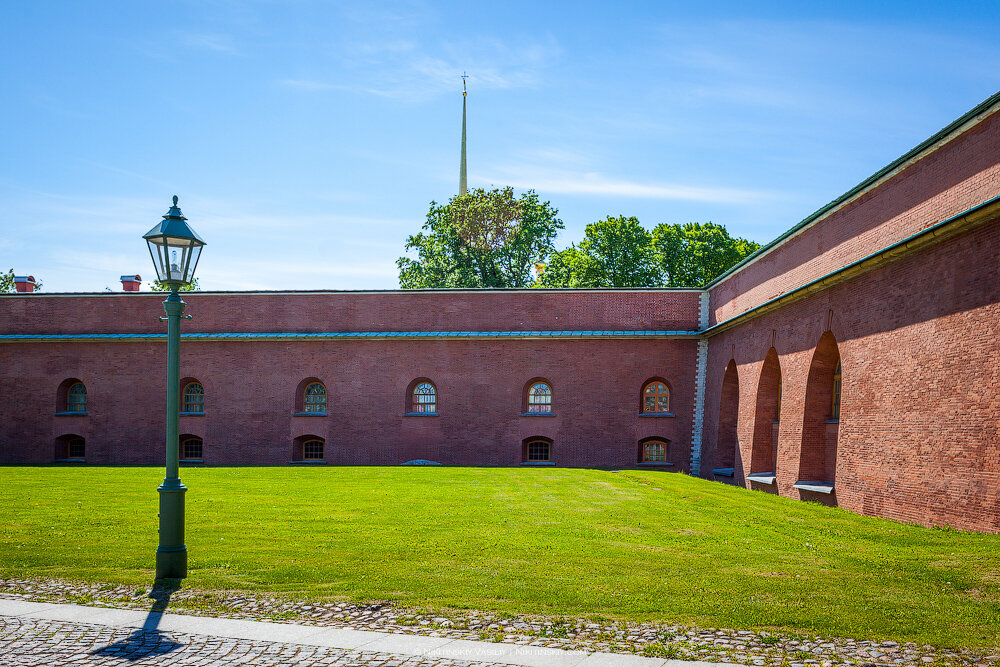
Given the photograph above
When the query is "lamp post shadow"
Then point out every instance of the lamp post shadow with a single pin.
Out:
(148, 640)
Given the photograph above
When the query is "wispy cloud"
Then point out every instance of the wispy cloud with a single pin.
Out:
(409, 71)
(307, 85)
(595, 183)
(210, 41)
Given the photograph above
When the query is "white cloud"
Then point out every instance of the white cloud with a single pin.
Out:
(210, 41)
(594, 183)
(410, 71)
(307, 85)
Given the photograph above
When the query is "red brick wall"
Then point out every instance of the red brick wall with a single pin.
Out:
(529, 310)
(919, 341)
(956, 177)
(251, 387)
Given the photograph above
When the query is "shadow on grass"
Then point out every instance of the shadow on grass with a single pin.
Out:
(146, 641)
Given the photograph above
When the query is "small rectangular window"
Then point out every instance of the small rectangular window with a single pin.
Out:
(538, 451)
(191, 448)
(312, 450)
(76, 448)
(654, 452)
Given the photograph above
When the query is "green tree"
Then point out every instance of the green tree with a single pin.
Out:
(7, 282)
(694, 254)
(614, 252)
(481, 239)
(157, 286)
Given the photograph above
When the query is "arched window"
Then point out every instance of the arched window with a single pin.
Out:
(655, 398)
(540, 398)
(312, 450)
(191, 447)
(76, 398)
(653, 451)
(424, 398)
(314, 398)
(835, 408)
(537, 450)
(194, 398)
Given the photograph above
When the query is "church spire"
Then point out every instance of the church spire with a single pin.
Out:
(462, 184)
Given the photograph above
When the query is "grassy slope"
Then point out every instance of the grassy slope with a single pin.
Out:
(633, 545)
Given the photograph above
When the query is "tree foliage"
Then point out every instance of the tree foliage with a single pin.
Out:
(694, 254)
(614, 252)
(619, 252)
(481, 239)
(157, 286)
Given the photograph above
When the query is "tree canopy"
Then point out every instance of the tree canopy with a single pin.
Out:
(492, 238)
(484, 238)
(614, 252)
(619, 252)
(694, 254)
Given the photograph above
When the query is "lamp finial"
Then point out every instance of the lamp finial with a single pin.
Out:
(175, 200)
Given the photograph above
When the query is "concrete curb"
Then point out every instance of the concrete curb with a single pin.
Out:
(339, 638)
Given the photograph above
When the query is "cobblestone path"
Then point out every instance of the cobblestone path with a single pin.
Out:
(29, 642)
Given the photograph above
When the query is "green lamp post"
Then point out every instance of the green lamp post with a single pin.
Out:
(175, 249)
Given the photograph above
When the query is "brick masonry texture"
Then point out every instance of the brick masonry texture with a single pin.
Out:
(919, 342)
(918, 339)
(513, 310)
(959, 175)
(251, 387)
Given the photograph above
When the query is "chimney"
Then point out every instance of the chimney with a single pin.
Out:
(24, 284)
(131, 283)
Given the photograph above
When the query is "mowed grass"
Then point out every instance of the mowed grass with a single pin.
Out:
(630, 545)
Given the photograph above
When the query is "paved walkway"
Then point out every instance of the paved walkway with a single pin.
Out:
(42, 633)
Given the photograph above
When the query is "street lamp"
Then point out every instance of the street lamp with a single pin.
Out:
(175, 249)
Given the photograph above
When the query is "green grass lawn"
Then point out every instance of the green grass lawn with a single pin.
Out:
(643, 546)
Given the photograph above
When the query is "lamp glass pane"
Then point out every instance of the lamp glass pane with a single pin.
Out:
(174, 258)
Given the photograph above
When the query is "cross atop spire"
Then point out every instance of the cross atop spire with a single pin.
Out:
(462, 180)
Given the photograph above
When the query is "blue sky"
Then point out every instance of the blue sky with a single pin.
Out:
(306, 139)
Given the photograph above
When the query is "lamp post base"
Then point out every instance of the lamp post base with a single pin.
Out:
(171, 554)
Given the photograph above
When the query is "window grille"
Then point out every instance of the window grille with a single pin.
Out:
(194, 397)
(191, 448)
(539, 450)
(424, 398)
(540, 398)
(654, 451)
(312, 450)
(76, 398)
(76, 448)
(314, 398)
(656, 398)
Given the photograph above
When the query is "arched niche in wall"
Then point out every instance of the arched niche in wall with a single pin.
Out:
(727, 443)
(764, 446)
(821, 421)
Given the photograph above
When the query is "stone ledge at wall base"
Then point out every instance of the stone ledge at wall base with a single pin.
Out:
(724, 472)
(815, 487)
(762, 478)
